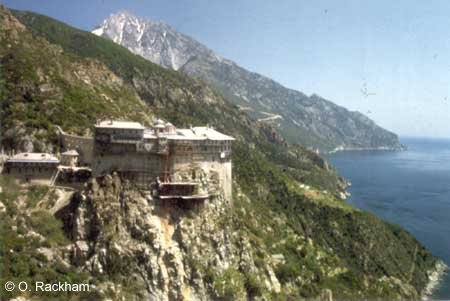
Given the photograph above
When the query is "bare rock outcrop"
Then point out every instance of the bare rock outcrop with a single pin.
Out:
(167, 252)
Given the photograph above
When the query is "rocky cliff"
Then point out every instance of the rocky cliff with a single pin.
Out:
(309, 120)
(160, 251)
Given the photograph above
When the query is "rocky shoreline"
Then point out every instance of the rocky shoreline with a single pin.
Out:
(381, 148)
(435, 278)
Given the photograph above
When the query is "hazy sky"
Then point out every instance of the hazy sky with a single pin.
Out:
(341, 50)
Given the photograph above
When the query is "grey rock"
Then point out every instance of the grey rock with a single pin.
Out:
(117, 231)
(309, 120)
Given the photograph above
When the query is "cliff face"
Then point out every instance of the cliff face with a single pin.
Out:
(160, 251)
(286, 234)
(128, 246)
(138, 248)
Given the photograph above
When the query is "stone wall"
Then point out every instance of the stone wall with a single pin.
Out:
(83, 145)
(141, 168)
(145, 168)
(208, 163)
(32, 176)
(211, 166)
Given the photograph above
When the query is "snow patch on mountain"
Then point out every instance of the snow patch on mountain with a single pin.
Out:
(153, 40)
(318, 122)
(98, 31)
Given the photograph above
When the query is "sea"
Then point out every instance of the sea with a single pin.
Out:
(410, 188)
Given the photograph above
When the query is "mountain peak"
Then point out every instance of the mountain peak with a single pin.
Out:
(309, 120)
(154, 40)
(124, 13)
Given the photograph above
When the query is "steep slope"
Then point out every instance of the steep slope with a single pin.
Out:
(183, 100)
(44, 87)
(311, 121)
(287, 235)
(153, 40)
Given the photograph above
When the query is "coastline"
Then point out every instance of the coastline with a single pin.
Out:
(434, 279)
(381, 148)
(436, 283)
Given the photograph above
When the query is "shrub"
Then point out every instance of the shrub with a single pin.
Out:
(229, 285)
(48, 226)
(253, 286)
(35, 194)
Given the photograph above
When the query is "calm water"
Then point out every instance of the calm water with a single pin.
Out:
(410, 188)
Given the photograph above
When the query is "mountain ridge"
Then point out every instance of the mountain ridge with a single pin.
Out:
(287, 226)
(309, 120)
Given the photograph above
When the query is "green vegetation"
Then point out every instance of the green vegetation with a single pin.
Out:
(20, 256)
(173, 96)
(34, 194)
(44, 87)
(253, 286)
(49, 227)
(86, 45)
(229, 285)
(324, 242)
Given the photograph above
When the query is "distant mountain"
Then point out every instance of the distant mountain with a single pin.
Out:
(154, 40)
(309, 120)
(288, 236)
